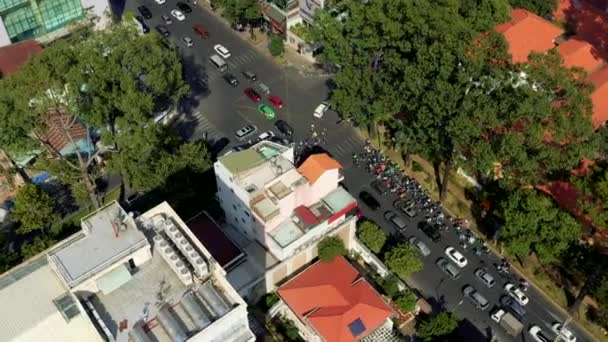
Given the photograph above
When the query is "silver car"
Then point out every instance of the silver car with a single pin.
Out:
(187, 41)
(420, 246)
(485, 277)
(475, 297)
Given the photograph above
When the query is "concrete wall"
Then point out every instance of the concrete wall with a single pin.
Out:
(327, 183)
(4, 39)
(225, 328)
(372, 260)
(55, 328)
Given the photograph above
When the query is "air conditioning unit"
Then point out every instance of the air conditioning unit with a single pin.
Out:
(183, 272)
(158, 239)
(200, 266)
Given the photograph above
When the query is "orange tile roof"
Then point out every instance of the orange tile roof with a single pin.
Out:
(599, 97)
(330, 296)
(15, 55)
(316, 165)
(579, 53)
(58, 122)
(526, 32)
(589, 20)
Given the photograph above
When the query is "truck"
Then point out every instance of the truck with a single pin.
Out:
(507, 322)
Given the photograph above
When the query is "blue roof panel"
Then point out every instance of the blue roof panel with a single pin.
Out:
(356, 327)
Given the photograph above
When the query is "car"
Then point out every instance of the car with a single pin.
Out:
(264, 89)
(200, 31)
(163, 30)
(248, 74)
(252, 94)
(431, 231)
(187, 41)
(475, 297)
(420, 246)
(406, 207)
(144, 27)
(517, 294)
(219, 145)
(145, 12)
(284, 127)
(178, 15)
(320, 110)
(456, 256)
(512, 306)
(184, 7)
(267, 111)
(395, 220)
(245, 131)
(563, 333)
(538, 335)
(380, 187)
(230, 79)
(221, 50)
(485, 277)
(166, 19)
(160, 2)
(266, 135)
(275, 101)
(448, 268)
(369, 200)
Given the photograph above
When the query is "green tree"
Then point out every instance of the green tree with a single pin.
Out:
(406, 301)
(330, 247)
(593, 199)
(437, 328)
(277, 45)
(241, 11)
(534, 223)
(34, 209)
(389, 284)
(544, 8)
(111, 80)
(36, 246)
(403, 260)
(371, 235)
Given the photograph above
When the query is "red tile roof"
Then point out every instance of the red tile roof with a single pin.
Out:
(316, 165)
(526, 32)
(578, 53)
(15, 55)
(588, 19)
(56, 135)
(599, 97)
(306, 215)
(330, 296)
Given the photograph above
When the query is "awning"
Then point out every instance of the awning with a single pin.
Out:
(113, 279)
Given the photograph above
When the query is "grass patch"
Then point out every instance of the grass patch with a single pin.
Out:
(593, 328)
(416, 167)
(534, 271)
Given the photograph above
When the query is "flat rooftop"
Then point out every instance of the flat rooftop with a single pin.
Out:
(107, 235)
(154, 291)
(227, 253)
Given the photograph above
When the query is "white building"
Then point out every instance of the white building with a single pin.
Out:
(123, 279)
(286, 210)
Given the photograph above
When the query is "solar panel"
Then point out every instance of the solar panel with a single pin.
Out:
(356, 327)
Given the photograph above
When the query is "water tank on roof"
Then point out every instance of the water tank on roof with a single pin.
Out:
(137, 334)
(170, 323)
(196, 311)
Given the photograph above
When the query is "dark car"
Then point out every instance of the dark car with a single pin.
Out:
(513, 306)
(184, 7)
(395, 220)
(248, 74)
(380, 187)
(219, 145)
(144, 27)
(283, 127)
(231, 80)
(252, 94)
(163, 30)
(431, 231)
(369, 200)
(145, 12)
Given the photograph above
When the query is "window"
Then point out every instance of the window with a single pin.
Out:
(67, 306)
(356, 327)
(234, 207)
(247, 213)
(242, 220)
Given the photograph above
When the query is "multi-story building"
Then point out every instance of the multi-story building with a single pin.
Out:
(123, 279)
(284, 208)
(44, 19)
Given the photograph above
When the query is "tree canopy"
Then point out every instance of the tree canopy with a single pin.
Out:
(437, 328)
(544, 8)
(403, 260)
(34, 209)
(240, 11)
(330, 247)
(371, 235)
(535, 224)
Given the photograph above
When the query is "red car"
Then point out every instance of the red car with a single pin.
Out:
(200, 30)
(275, 101)
(252, 94)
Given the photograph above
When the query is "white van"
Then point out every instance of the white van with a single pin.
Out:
(219, 62)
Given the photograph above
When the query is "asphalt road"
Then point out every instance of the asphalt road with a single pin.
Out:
(222, 109)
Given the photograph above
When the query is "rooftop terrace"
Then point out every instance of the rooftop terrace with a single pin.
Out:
(108, 235)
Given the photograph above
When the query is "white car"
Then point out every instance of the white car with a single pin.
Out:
(537, 333)
(178, 15)
(320, 110)
(187, 41)
(563, 333)
(517, 294)
(266, 135)
(456, 257)
(160, 2)
(221, 50)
